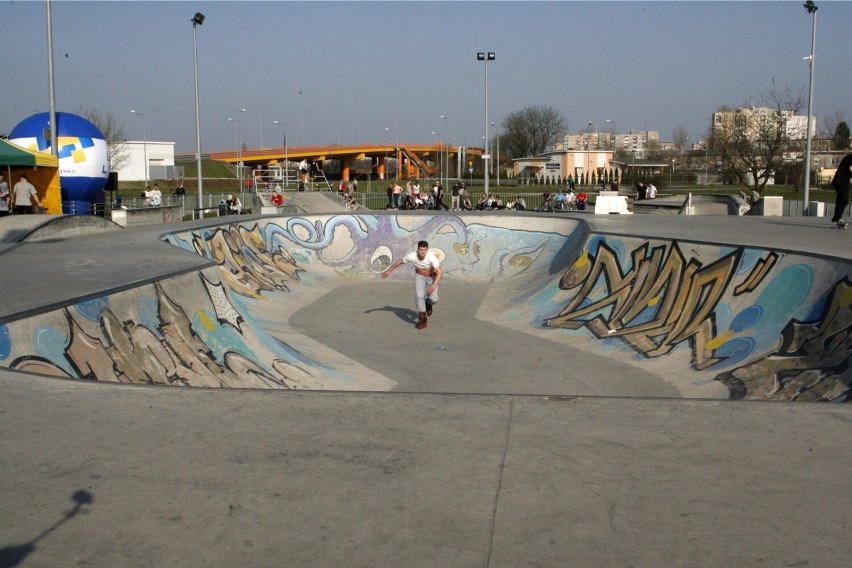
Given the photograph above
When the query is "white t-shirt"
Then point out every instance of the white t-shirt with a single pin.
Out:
(429, 261)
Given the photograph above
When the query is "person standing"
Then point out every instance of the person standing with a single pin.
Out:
(4, 196)
(454, 201)
(840, 183)
(24, 193)
(427, 274)
(397, 190)
(439, 198)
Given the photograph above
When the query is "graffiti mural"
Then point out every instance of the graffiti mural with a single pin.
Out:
(656, 299)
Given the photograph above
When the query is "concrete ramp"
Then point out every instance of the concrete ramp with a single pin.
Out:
(538, 305)
(20, 228)
(698, 204)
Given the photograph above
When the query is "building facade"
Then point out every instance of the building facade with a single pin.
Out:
(161, 161)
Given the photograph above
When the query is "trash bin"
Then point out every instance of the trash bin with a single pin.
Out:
(223, 208)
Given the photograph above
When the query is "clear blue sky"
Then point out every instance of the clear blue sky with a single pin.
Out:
(347, 70)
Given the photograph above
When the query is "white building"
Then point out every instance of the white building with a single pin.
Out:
(161, 161)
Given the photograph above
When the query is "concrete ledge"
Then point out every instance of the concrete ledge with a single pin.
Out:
(147, 215)
(20, 228)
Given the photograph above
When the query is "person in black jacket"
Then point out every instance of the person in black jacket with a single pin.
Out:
(840, 183)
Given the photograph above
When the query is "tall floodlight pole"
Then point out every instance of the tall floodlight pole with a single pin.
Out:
(238, 133)
(445, 142)
(486, 57)
(811, 9)
(497, 128)
(441, 173)
(54, 149)
(144, 141)
(197, 20)
(286, 161)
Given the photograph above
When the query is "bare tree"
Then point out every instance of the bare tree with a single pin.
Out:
(113, 133)
(751, 141)
(680, 136)
(531, 131)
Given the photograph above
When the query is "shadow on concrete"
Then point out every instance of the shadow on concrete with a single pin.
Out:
(404, 314)
(14, 555)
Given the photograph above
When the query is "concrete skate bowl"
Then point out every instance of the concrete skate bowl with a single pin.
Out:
(297, 303)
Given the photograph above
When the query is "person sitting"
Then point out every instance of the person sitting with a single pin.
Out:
(547, 202)
(118, 204)
(418, 201)
(520, 204)
(482, 203)
(465, 204)
(559, 200)
(581, 201)
(234, 204)
(571, 200)
(510, 204)
(277, 199)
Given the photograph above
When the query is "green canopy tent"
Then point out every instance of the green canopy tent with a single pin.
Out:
(41, 169)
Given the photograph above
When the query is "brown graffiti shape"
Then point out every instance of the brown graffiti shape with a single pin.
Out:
(682, 293)
(248, 266)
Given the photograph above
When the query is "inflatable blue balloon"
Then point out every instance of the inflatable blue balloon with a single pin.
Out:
(83, 156)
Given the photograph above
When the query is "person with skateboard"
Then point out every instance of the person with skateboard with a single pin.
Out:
(427, 274)
(840, 183)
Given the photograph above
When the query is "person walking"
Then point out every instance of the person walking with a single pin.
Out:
(840, 183)
(24, 194)
(427, 274)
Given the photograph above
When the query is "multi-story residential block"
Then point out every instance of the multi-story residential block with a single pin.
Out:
(757, 121)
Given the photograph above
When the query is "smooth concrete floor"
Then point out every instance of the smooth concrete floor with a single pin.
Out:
(373, 323)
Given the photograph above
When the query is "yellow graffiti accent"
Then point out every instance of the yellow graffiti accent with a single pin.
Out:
(654, 301)
(583, 260)
(206, 321)
(520, 260)
(717, 342)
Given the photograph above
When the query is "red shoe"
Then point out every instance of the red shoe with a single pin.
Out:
(421, 321)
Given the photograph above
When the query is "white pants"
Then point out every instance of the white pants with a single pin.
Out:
(421, 283)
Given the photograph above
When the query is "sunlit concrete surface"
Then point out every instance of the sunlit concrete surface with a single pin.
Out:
(568, 405)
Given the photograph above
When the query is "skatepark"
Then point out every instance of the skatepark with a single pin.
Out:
(592, 390)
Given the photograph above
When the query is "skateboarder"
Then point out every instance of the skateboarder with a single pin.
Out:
(427, 274)
(840, 183)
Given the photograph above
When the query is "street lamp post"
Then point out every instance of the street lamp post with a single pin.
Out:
(197, 20)
(395, 150)
(239, 135)
(144, 140)
(486, 57)
(614, 134)
(286, 161)
(446, 166)
(811, 9)
(497, 128)
(441, 173)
